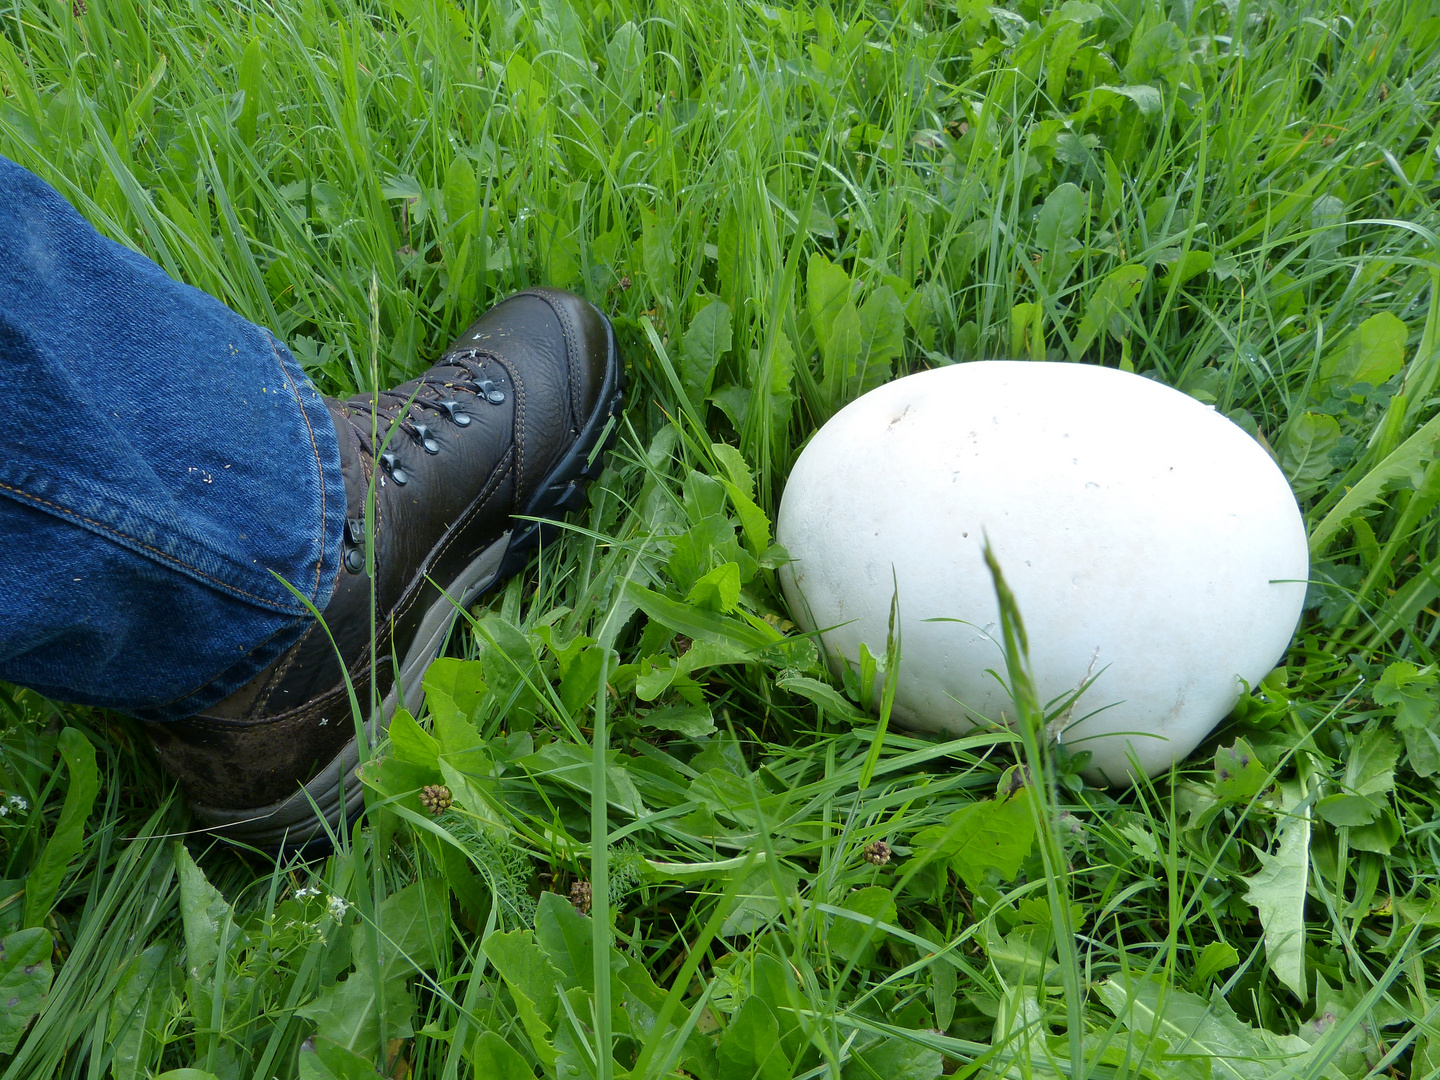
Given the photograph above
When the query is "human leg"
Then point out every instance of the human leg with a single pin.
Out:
(166, 465)
(510, 422)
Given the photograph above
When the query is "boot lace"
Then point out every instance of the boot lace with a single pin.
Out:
(443, 395)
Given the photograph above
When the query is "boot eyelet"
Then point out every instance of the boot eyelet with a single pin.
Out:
(493, 394)
(354, 560)
(427, 440)
(452, 410)
(392, 466)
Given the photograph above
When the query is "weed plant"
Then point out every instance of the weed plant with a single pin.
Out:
(647, 770)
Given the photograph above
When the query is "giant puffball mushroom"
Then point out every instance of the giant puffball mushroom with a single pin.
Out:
(1153, 546)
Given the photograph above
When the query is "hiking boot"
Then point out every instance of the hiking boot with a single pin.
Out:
(510, 423)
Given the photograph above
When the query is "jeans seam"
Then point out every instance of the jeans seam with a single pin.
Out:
(225, 585)
(319, 466)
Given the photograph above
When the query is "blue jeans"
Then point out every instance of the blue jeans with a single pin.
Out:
(165, 464)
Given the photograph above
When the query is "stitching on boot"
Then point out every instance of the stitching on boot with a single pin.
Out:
(572, 352)
(262, 699)
(496, 479)
(518, 388)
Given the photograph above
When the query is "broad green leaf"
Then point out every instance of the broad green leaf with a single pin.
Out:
(1105, 310)
(569, 764)
(840, 352)
(695, 623)
(1058, 57)
(655, 676)
(753, 523)
(1062, 217)
(43, 885)
(194, 1074)
(1327, 217)
(204, 913)
(321, 1059)
(1216, 957)
(719, 590)
(1363, 807)
(1159, 51)
(24, 981)
(353, 1013)
(461, 192)
(751, 1048)
(534, 982)
(252, 67)
(1343, 810)
(495, 1059)
(454, 688)
(1402, 463)
(411, 743)
(827, 289)
(509, 664)
(206, 918)
(996, 834)
(705, 342)
(412, 926)
(1422, 751)
(822, 694)
(1370, 765)
(774, 983)
(129, 1010)
(1277, 892)
(765, 892)
(692, 721)
(1380, 836)
(1204, 1032)
(1371, 353)
(526, 85)
(1027, 331)
(657, 254)
(581, 681)
(1305, 451)
(777, 388)
(1079, 11)
(1410, 691)
(848, 938)
(568, 939)
(895, 1058)
(1146, 98)
(914, 248)
(736, 470)
(1239, 776)
(1188, 266)
(882, 338)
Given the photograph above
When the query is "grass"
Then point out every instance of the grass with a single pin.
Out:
(1237, 200)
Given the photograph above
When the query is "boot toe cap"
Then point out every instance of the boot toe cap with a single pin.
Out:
(559, 344)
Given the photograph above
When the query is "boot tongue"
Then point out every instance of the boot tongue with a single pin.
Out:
(355, 464)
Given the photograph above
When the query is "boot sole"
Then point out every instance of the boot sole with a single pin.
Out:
(293, 824)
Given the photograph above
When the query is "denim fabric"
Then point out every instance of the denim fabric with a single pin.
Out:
(159, 458)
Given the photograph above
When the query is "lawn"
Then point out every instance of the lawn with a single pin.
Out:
(1236, 198)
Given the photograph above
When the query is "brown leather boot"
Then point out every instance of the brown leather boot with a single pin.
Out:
(511, 421)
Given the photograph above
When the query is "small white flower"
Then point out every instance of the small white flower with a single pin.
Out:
(338, 905)
(18, 803)
(4, 809)
(306, 892)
